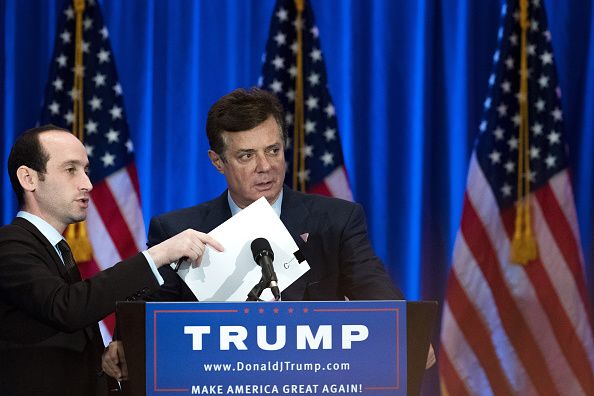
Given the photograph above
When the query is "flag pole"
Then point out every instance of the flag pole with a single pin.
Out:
(76, 234)
(299, 135)
(523, 248)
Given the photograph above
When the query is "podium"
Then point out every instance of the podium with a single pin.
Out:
(132, 327)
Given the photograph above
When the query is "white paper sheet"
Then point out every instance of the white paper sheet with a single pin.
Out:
(230, 275)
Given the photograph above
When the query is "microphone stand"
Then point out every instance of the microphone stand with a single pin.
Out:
(254, 294)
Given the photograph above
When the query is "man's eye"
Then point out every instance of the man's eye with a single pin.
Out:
(245, 157)
(70, 170)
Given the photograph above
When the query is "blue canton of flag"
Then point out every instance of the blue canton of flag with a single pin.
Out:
(114, 221)
(497, 144)
(324, 170)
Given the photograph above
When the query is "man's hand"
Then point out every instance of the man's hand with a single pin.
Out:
(189, 243)
(113, 361)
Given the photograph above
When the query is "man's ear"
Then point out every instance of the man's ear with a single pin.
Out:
(217, 161)
(28, 178)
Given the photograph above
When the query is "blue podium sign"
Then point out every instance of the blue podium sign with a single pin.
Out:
(282, 348)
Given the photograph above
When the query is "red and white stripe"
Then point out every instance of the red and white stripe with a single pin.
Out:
(115, 226)
(513, 329)
(336, 184)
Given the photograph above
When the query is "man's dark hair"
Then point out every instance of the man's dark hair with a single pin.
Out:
(28, 151)
(241, 110)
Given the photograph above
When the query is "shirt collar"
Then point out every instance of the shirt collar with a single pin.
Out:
(276, 206)
(52, 235)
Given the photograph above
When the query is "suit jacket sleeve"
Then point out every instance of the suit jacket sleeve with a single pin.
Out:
(30, 282)
(173, 288)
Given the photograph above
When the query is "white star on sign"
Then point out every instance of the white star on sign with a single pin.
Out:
(556, 114)
(129, 146)
(310, 127)
(293, 71)
(513, 143)
(95, 103)
(104, 33)
(546, 57)
(307, 150)
(553, 137)
(534, 152)
(303, 175)
(543, 81)
(65, 36)
(290, 95)
(282, 15)
(108, 159)
(314, 79)
(289, 119)
(506, 190)
(88, 23)
(89, 150)
(330, 134)
(537, 129)
(540, 105)
(495, 157)
(312, 103)
(69, 117)
(54, 107)
(510, 166)
(58, 84)
(280, 39)
(69, 12)
(103, 56)
(316, 55)
(276, 86)
(278, 62)
(502, 110)
(112, 136)
(330, 111)
(99, 79)
(550, 161)
(116, 112)
(61, 60)
(498, 132)
(91, 127)
(117, 89)
(327, 158)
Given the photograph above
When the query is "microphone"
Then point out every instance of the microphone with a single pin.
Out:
(264, 257)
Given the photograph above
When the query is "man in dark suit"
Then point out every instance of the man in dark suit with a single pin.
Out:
(247, 140)
(49, 338)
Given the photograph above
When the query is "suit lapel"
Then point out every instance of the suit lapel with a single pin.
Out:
(56, 264)
(218, 213)
(295, 215)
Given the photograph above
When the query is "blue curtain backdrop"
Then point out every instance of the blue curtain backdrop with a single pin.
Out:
(408, 78)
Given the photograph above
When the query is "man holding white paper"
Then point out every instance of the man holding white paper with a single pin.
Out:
(247, 140)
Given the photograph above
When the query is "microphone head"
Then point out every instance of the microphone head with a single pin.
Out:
(261, 246)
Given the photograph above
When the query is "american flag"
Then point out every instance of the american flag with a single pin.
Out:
(510, 328)
(114, 222)
(323, 171)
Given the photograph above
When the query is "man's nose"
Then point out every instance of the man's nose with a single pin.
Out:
(262, 163)
(86, 183)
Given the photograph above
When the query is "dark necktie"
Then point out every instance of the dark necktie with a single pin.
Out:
(69, 262)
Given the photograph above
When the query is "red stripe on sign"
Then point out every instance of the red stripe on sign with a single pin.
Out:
(449, 376)
(564, 237)
(511, 316)
(321, 189)
(570, 344)
(115, 223)
(133, 174)
(477, 336)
